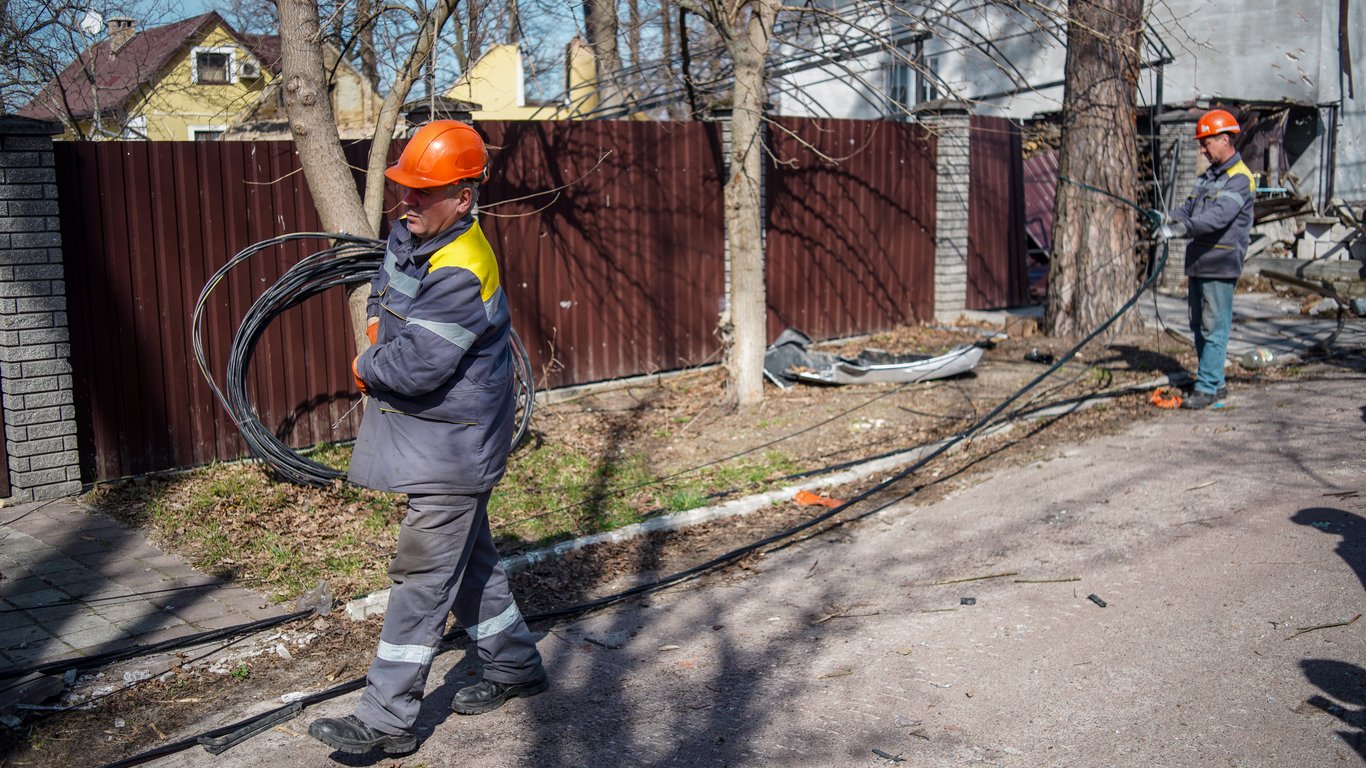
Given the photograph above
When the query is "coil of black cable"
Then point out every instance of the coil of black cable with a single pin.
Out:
(350, 259)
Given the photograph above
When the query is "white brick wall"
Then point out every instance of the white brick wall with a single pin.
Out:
(35, 350)
(950, 125)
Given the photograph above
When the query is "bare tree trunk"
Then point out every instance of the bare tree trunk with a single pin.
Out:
(600, 27)
(1094, 264)
(389, 110)
(365, 34)
(474, 37)
(314, 126)
(748, 332)
(667, 45)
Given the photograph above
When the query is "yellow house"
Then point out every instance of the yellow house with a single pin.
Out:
(192, 80)
(497, 83)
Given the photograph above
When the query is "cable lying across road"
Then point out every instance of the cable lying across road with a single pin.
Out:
(350, 260)
(225, 736)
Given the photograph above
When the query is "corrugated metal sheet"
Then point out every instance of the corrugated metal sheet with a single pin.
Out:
(1040, 187)
(997, 273)
(143, 226)
(850, 226)
(609, 235)
(610, 242)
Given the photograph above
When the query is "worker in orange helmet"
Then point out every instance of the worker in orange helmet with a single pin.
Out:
(438, 426)
(1217, 217)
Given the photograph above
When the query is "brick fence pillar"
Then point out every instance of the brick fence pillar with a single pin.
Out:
(35, 349)
(1189, 165)
(948, 120)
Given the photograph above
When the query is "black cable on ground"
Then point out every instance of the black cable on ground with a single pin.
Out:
(350, 260)
(246, 726)
(108, 657)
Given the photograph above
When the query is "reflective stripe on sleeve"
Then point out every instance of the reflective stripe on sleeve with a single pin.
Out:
(496, 624)
(452, 332)
(410, 654)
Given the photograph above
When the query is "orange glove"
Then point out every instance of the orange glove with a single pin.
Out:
(372, 330)
(360, 383)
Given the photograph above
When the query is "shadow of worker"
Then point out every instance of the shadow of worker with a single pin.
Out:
(1343, 683)
(1337, 522)
(1345, 686)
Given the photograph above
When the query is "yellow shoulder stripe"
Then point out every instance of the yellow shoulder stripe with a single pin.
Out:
(1240, 169)
(470, 251)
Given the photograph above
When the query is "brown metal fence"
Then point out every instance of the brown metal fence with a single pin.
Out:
(610, 239)
(609, 235)
(850, 226)
(143, 227)
(997, 273)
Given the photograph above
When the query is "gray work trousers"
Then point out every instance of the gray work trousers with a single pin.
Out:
(446, 562)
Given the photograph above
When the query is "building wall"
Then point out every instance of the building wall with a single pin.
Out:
(175, 102)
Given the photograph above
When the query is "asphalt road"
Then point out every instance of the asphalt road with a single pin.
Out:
(1212, 537)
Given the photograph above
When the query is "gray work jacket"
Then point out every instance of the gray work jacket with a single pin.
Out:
(1218, 219)
(440, 415)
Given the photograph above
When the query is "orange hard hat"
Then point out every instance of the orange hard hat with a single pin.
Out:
(1214, 122)
(441, 152)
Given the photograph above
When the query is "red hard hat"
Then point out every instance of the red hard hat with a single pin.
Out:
(1214, 122)
(441, 152)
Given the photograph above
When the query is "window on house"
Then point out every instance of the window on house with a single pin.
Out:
(207, 133)
(212, 67)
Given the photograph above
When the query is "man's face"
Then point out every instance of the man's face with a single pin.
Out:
(435, 209)
(1218, 148)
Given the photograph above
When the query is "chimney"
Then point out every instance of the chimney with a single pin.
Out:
(121, 31)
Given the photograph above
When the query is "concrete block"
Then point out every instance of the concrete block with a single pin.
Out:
(33, 479)
(39, 272)
(31, 352)
(17, 464)
(20, 159)
(55, 398)
(26, 143)
(46, 368)
(28, 321)
(36, 240)
(63, 459)
(19, 256)
(30, 386)
(36, 304)
(35, 175)
(60, 490)
(37, 447)
(31, 416)
(23, 224)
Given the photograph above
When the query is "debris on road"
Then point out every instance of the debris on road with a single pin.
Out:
(787, 361)
(1096, 599)
(1303, 630)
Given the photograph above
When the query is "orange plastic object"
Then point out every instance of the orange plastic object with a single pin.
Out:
(1214, 122)
(441, 152)
(809, 499)
(372, 330)
(1166, 397)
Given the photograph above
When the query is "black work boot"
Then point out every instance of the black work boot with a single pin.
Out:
(348, 734)
(1198, 400)
(486, 695)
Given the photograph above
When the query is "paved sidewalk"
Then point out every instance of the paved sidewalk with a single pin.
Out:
(74, 582)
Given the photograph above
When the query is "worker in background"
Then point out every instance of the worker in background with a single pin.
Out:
(438, 426)
(1217, 217)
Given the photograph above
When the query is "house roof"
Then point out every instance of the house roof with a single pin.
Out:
(119, 74)
(266, 49)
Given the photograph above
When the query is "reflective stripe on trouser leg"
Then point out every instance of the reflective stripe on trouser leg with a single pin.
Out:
(434, 546)
(485, 607)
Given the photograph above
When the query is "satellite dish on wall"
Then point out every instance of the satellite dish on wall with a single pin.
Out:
(92, 23)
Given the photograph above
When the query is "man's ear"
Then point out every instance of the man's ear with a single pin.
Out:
(464, 197)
